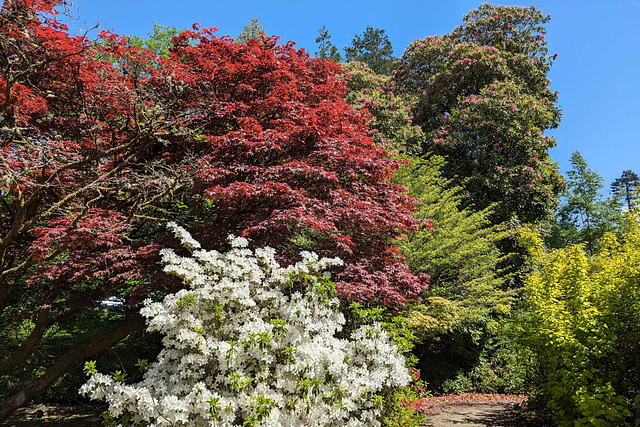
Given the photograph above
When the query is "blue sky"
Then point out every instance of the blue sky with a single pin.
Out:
(597, 71)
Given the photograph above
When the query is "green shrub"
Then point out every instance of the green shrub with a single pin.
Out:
(583, 326)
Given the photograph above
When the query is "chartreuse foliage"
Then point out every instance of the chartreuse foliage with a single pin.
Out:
(249, 342)
(459, 250)
(583, 325)
(458, 323)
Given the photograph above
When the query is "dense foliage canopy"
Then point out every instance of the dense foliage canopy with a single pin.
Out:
(103, 142)
(482, 96)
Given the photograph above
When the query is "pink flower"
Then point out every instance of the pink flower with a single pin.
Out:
(534, 159)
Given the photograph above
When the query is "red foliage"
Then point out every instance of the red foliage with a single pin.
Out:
(103, 142)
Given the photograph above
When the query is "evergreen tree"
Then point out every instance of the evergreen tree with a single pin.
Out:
(626, 187)
(466, 291)
(327, 49)
(374, 49)
(584, 215)
(253, 30)
(460, 252)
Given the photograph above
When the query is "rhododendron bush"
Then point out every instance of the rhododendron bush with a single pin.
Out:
(250, 342)
(483, 98)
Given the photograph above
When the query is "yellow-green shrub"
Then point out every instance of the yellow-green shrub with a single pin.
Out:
(583, 324)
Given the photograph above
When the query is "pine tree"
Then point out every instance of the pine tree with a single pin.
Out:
(374, 49)
(626, 187)
(327, 49)
(253, 30)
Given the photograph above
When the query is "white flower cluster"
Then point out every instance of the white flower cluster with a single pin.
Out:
(243, 346)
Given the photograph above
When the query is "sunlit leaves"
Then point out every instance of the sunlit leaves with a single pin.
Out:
(483, 98)
(582, 325)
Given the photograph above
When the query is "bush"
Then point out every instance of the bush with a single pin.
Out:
(583, 326)
(252, 343)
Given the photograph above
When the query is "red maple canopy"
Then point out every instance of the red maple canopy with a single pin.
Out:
(102, 143)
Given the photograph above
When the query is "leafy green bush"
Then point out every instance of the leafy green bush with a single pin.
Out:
(401, 408)
(459, 252)
(583, 326)
(457, 322)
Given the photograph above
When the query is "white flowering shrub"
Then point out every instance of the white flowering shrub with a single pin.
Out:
(249, 342)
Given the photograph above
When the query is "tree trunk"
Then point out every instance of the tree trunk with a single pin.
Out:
(41, 326)
(24, 396)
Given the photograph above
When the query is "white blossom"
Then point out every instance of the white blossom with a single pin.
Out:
(241, 347)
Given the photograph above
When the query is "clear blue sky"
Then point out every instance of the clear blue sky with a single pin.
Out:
(597, 71)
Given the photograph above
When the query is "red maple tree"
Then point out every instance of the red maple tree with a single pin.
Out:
(102, 143)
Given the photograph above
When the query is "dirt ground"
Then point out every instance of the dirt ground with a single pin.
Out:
(475, 409)
(461, 410)
(57, 415)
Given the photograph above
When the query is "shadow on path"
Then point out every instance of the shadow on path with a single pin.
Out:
(57, 415)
